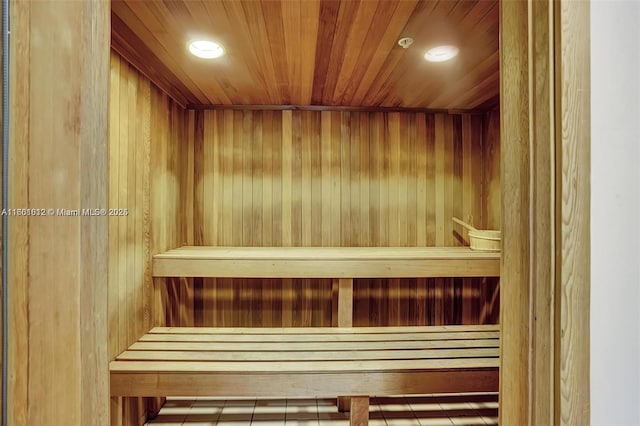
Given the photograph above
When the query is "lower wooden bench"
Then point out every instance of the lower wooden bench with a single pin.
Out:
(309, 362)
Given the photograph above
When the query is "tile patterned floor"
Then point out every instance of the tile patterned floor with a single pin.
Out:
(428, 410)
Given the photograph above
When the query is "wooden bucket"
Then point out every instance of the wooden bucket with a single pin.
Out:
(482, 240)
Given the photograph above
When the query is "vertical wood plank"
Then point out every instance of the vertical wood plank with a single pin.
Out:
(339, 178)
(287, 238)
(59, 344)
(345, 302)
(514, 315)
(572, 221)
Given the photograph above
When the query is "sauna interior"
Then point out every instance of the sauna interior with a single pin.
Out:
(315, 129)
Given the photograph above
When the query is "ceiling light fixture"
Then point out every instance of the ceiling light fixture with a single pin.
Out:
(441, 53)
(206, 49)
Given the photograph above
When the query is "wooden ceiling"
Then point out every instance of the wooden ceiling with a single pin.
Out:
(314, 52)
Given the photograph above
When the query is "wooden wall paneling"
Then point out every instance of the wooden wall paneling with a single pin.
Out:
(114, 111)
(287, 174)
(59, 333)
(266, 215)
(471, 203)
(125, 309)
(491, 208)
(124, 244)
(183, 144)
(148, 146)
(491, 170)
(336, 178)
(143, 206)
(197, 120)
(441, 190)
(410, 310)
(396, 192)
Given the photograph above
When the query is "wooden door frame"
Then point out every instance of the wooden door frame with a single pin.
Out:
(545, 172)
(545, 198)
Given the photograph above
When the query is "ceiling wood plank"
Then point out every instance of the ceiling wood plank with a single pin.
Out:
(314, 52)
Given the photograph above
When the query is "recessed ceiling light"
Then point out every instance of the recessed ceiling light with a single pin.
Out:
(441, 53)
(206, 49)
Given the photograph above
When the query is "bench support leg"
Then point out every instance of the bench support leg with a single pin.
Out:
(344, 404)
(359, 411)
(342, 302)
(116, 411)
(153, 406)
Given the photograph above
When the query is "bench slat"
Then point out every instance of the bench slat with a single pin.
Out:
(304, 366)
(389, 337)
(158, 355)
(325, 330)
(324, 253)
(314, 346)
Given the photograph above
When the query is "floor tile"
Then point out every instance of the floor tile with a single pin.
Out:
(301, 416)
(397, 412)
(234, 417)
(296, 422)
(333, 416)
(205, 409)
(240, 403)
(302, 409)
(442, 420)
(467, 421)
(427, 410)
(265, 409)
(202, 418)
(208, 403)
(272, 416)
(337, 422)
(166, 421)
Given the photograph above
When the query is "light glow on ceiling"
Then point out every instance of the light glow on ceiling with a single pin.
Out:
(206, 49)
(441, 53)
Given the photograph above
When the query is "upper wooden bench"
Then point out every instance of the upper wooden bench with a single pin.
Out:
(325, 262)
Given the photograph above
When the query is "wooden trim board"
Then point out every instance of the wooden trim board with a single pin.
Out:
(545, 85)
(297, 384)
(325, 262)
